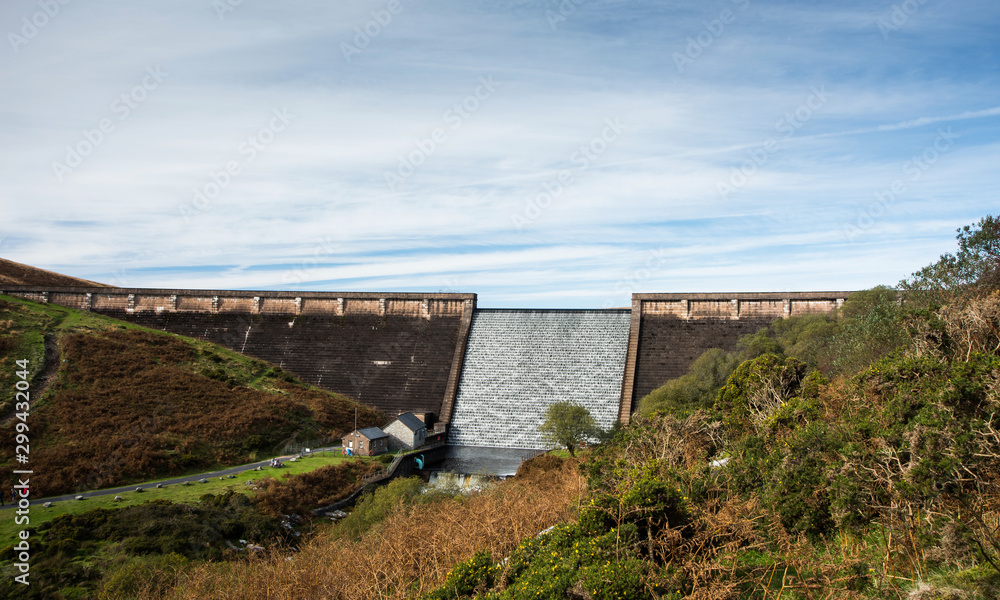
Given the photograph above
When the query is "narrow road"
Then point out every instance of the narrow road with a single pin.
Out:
(265, 464)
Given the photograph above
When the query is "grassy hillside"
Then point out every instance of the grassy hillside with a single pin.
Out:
(101, 548)
(113, 403)
(20, 274)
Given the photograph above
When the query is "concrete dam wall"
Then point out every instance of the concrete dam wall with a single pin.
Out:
(519, 362)
(487, 374)
(396, 352)
(670, 331)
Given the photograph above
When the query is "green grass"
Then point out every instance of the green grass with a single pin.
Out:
(33, 319)
(267, 406)
(174, 492)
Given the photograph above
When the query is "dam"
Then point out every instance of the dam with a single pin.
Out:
(486, 376)
(519, 362)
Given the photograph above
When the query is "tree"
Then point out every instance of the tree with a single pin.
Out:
(694, 390)
(568, 424)
(870, 327)
(973, 271)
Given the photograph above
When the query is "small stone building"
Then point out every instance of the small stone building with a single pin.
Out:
(406, 432)
(370, 441)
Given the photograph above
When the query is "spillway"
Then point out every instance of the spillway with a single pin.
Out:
(519, 362)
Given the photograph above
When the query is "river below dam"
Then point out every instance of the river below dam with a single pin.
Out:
(474, 460)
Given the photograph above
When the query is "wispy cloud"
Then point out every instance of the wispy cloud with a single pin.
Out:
(320, 181)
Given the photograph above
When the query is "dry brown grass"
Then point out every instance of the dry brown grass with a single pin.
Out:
(409, 554)
(301, 493)
(129, 406)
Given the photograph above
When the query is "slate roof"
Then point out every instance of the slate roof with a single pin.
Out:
(372, 433)
(411, 421)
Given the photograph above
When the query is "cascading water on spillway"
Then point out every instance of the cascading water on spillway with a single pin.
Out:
(519, 362)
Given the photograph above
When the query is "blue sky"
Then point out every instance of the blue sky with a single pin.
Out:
(539, 153)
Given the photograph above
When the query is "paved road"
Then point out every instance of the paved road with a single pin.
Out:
(264, 464)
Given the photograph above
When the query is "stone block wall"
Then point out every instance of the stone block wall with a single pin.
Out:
(409, 352)
(670, 331)
(391, 351)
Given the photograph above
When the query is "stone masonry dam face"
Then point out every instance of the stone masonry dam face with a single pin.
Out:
(488, 375)
(520, 362)
(395, 352)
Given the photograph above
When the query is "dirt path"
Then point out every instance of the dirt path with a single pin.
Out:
(44, 378)
(51, 368)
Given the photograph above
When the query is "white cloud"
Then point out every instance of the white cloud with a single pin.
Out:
(653, 188)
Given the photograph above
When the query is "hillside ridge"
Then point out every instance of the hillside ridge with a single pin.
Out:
(15, 273)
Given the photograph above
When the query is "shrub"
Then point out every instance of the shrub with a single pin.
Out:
(696, 389)
(797, 489)
(617, 580)
(870, 328)
(757, 389)
(373, 507)
(467, 578)
(143, 577)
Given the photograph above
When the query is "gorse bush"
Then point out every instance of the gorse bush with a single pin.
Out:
(474, 575)
(758, 389)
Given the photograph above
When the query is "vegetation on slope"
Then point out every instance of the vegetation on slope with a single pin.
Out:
(129, 404)
(116, 549)
(121, 550)
(405, 554)
(854, 457)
